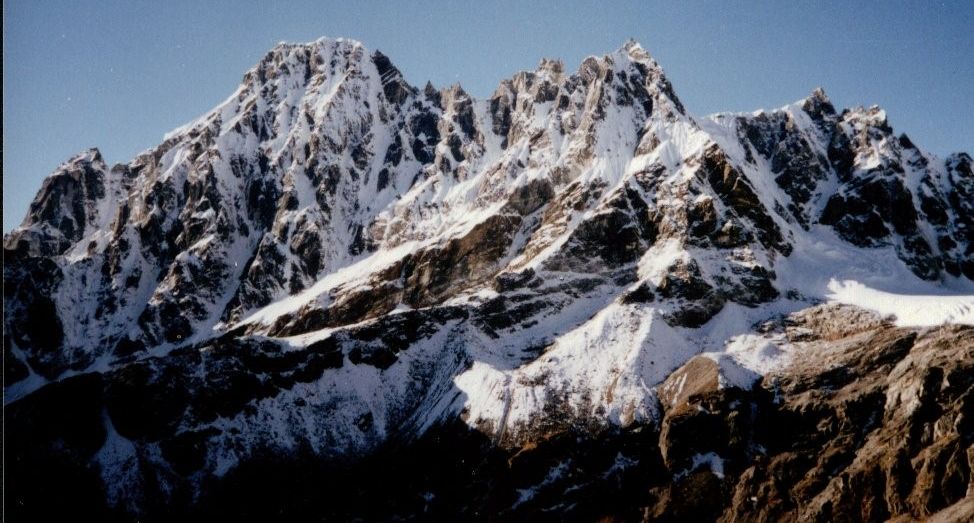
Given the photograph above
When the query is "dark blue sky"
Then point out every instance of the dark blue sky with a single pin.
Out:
(119, 74)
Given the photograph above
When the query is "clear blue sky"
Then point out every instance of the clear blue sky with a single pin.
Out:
(119, 74)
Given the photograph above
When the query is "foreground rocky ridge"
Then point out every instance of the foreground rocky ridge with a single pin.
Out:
(871, 422)
(335, 264)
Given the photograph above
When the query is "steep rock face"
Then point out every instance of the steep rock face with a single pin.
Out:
(324, 155)
(252, 202)
(333, 264)
(849, 171)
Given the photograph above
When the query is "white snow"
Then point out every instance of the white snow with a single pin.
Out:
(746, 358)
(357, 271)
(657, 261)
(611, 362)
(910, 310)
(711, 460)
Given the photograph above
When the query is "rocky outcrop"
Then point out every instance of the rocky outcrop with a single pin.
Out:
(868, 423)
(870, 427)
(888, 189)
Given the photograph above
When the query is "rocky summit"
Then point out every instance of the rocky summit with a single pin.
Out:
(339, 296)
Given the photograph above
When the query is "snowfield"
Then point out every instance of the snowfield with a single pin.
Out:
(909, 310)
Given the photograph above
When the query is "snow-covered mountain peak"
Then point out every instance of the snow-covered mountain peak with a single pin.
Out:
(553, 66)
(632, 51)
(340, 258)
(818, 105)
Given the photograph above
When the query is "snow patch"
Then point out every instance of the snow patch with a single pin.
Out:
(910, 310)
(711, 460)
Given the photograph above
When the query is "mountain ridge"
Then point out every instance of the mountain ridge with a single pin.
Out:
(332, 260)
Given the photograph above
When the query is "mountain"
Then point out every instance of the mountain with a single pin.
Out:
(337, 295)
